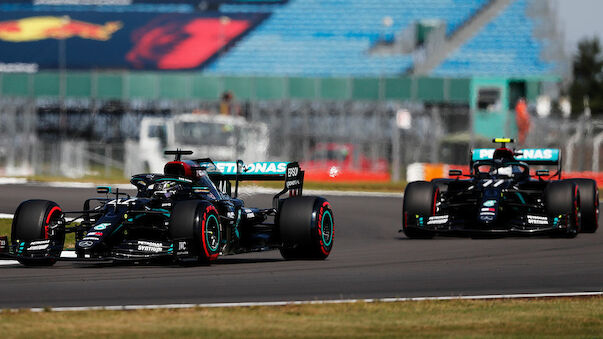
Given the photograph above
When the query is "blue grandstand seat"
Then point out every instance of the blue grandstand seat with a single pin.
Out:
(332, 37)
(506, 45)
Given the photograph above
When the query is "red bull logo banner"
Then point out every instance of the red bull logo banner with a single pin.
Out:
(54, 27)
(146, 41)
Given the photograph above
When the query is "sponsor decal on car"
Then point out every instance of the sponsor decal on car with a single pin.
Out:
(102, 227)
(38, 245)
(437, 220)
(148, 246)
(292, 183)
(528, 154)
(270, 167)
(85, 243)
(489, 203)
(537, 220)
(94, 234)
(3, 243)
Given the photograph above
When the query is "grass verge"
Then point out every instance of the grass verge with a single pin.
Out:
(546, 318)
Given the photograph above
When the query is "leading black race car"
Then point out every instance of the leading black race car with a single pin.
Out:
(501, 196)
(188, 215)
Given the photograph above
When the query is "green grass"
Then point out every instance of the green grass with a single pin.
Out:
(536, 318)
(5, 225)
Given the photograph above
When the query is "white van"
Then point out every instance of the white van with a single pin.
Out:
(217, 137)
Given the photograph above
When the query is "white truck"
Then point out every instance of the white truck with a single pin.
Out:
(217, 137)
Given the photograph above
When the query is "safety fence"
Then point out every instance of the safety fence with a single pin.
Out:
(335, 139)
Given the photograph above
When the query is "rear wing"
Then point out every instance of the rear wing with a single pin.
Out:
(257, 171)
(531, 156)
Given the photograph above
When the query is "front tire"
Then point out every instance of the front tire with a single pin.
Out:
(306, 227)
(563, 198)
(36, 220)
(420, 198)
(198, 223)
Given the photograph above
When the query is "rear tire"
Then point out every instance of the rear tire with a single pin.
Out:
(198, 223)
(419, 199)
(563, 197)
(589, 204)
(306, 227)
(33, 221)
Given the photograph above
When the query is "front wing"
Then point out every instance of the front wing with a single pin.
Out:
(528, 224)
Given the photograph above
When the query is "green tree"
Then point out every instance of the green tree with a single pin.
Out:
(588, 75)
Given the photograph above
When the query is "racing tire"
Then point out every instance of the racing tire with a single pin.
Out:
(589, 204)
(563, 197)
(419, 199)
(32, 222)
(197, 222)
(306, 228)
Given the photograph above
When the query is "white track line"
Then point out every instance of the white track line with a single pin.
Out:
(308, 302)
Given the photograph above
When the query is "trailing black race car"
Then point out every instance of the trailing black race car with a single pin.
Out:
(501, 196)
(189, 214)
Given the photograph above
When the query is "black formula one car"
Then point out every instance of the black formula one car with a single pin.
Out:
(501, 196)
(189, 214)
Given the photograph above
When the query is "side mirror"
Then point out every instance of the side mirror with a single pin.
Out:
(540, 173)
(455, 173)
(103, 189)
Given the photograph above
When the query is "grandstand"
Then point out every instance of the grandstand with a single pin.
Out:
(505, 46)
(311, 38)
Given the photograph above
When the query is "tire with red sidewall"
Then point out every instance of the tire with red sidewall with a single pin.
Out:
(589, 204)
(197, 222)
(420, 198)
(307, 228)
(32, 222)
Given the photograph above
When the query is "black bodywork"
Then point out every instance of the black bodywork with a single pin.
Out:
(492, 204)
(119, 227)
(489, 202)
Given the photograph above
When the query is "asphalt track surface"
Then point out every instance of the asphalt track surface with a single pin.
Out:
(370, 259)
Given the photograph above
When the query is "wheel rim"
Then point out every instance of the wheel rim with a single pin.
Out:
(326, 227)
(53, 216)
(212, 233)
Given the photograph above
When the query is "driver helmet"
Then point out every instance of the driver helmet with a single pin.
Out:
(506, 171)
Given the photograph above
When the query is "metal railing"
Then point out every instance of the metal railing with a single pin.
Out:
(90, 139)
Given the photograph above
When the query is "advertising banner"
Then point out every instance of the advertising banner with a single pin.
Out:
(119, 40)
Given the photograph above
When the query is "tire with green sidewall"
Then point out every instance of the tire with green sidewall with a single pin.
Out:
(198, 222)
(562, 197)
(419, 199)
(307, 228)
